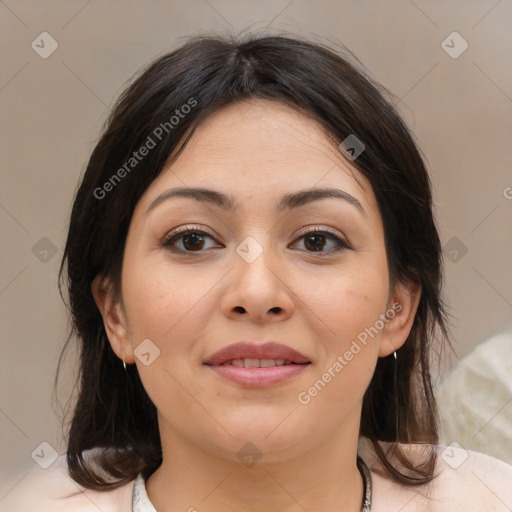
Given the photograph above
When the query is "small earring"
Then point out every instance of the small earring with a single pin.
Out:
(394, 353)
(124, 364)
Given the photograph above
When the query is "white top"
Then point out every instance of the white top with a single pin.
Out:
(141, 501)
(468, 481)
(474, 399)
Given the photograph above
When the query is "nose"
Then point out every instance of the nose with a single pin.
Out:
(258, 290)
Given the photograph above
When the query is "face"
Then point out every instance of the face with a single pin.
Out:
(308, 274)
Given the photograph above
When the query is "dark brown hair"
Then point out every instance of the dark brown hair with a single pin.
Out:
(113, 411)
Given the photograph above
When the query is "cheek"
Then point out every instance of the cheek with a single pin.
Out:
(346, 303)
(347, 362)
(164, 302)
(349, 308)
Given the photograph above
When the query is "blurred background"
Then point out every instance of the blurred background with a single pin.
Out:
(64, 64)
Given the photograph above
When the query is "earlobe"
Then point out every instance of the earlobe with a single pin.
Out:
(401, 313)
(114, 318)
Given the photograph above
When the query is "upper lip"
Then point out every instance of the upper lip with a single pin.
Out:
(246, 350)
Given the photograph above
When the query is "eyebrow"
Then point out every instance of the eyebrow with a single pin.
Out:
(287, 201)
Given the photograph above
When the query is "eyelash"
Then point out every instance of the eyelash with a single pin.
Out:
(175, 235)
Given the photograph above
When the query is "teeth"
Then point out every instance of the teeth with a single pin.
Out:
(257, 363)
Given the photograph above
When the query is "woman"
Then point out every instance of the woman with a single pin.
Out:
(254, 274)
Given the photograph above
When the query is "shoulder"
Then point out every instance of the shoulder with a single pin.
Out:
(53, 490)
(466, 481)
(474, 480)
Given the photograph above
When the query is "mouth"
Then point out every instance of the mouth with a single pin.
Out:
(257, 365)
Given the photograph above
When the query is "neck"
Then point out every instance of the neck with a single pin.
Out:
(323, 478)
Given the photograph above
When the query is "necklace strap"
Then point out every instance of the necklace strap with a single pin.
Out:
(367, 484)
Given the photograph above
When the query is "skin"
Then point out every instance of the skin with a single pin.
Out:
(191, 305)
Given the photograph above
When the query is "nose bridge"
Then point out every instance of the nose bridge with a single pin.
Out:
(255, 253)
(256, 288)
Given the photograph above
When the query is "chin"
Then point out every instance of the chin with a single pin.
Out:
(269, 434)
(249, 449)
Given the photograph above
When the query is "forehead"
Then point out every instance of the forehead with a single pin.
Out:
(259, 131)
(255, 148)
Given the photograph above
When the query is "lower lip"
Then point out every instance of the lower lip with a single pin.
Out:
(259, 377)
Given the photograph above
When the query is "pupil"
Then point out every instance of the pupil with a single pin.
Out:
(315, 245)
(195, 239)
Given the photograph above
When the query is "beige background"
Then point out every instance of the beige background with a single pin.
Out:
(52, 111)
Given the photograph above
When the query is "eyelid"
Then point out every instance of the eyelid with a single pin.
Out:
(302, 231)
(183, 230)
(309, 229)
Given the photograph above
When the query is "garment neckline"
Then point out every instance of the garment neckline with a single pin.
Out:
(142, 503)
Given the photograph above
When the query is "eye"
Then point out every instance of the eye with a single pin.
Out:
(314, 241)
(191, 238)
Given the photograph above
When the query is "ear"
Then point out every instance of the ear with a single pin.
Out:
(114, 318)
(401, 312)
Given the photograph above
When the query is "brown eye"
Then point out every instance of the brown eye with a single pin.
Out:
(192, 240)
(315, 241)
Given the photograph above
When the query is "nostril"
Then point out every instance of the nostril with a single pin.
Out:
(239, 309)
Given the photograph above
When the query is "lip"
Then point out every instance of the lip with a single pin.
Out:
(257, 377)
(246, 350)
